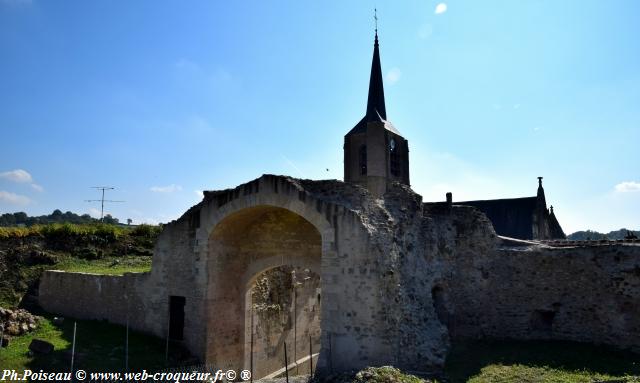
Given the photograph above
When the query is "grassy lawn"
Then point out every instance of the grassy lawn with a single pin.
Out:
(107, 265)
(539, 361)
(99, 347)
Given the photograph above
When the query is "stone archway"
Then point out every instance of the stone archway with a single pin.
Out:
(283, 306)
(242, 244)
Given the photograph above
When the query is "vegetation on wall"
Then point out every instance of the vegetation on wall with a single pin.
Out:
(25, 252)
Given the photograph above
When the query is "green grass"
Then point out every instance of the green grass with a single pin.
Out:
(25, 252)
(538, 361)
(100, 346)
(108, 265)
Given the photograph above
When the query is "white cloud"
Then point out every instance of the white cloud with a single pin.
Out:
(18, 175)
(166, 189)
(13, 199)
(37, 188)
(628, 187)
(440, 8)
(199, 193)
(393, 75)
(95, 213)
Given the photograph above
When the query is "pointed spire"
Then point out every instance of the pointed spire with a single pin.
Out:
(542, 203)
(375, 102)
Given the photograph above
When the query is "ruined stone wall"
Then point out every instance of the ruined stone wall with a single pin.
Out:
(484, 286)
(92, 296)
(281, 315)
(587, 294)
(398, 279)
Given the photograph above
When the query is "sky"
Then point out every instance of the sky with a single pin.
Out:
(164, 99)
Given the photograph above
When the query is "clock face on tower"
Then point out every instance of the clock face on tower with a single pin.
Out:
(392, 144)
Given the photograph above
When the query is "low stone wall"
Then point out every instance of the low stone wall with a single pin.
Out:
(93, 296)
(583, 294)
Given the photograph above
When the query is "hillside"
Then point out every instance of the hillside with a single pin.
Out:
(25, 252)
(594, 235)
(22, 219)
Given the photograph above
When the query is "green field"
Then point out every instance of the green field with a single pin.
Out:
(100, 346)
(25, 252)
(539, 361)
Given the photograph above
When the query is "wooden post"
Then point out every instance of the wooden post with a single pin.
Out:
(286, 363)
(73, 347)
(251, 356)
(310, 358)
(295, 326)
(166, 351)
(330, 354)
(126, 347)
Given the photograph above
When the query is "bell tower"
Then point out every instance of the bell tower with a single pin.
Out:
(375, 153)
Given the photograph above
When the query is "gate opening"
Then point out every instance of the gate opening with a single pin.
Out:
(176, 317)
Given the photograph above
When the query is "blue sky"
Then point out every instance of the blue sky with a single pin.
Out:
(163, 99)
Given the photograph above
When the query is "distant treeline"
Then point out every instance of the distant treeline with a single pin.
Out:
(22, 219)
(595, 236)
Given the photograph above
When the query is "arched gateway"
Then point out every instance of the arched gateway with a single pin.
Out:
(253, 237)
(248, 232)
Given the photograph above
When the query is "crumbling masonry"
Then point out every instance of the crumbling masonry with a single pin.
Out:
(381, 277)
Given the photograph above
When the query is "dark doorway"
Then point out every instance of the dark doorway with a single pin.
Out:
(439, 304)
(176, 317)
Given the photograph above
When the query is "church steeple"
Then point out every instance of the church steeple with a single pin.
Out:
(375, 153)
(375, 102)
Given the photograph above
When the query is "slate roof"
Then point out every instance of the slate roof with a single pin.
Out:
(376, 109)
(512, 217)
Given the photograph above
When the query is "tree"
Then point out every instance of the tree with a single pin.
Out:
(109, 219)
(20, 217)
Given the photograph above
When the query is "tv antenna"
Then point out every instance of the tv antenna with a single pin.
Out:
(102, 200)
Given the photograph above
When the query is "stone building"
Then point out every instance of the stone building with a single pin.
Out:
(361, 272)
(521, 218)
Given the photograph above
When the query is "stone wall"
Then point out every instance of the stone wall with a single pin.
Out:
(399, 279)
(277, 319)
(587, 294)
(92, 296)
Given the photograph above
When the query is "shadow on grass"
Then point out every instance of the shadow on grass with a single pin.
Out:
(100, 346)
(468, 357)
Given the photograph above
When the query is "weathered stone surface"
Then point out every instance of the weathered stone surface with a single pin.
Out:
(17, 322)
(398, 278)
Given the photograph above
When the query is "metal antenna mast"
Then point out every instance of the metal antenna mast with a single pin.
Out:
(102, 200)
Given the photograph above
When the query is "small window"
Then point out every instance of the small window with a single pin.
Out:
(542, 320)
(394, 158)
(362, 155)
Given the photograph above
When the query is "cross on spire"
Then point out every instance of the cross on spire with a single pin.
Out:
(375, 17)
